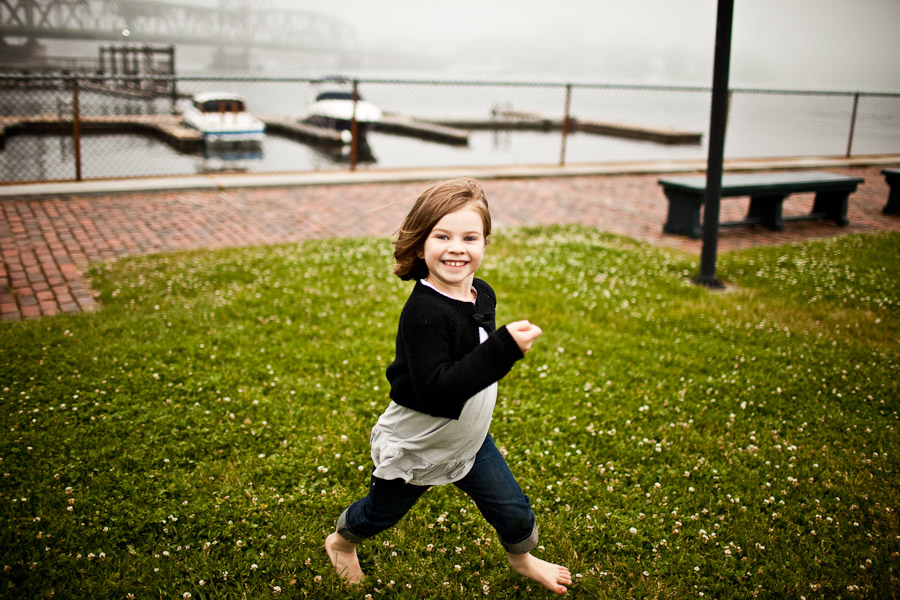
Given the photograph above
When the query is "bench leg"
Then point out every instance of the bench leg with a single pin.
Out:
(684, 214)
(832, 206)
(893, 204)
(891, 208)
(767, 210)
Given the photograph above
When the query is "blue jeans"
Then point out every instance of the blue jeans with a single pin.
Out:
(490, 484)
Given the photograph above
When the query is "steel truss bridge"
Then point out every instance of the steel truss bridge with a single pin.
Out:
(234, 24)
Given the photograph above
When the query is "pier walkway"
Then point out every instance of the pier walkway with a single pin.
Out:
(49, 233)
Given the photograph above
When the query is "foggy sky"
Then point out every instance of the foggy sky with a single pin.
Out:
(787, 44)
(821, 44)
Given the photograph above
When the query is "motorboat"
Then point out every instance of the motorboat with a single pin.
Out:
(223, 117)
(334, 108)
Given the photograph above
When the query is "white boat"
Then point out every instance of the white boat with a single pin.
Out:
(333, 108)
(223, 117)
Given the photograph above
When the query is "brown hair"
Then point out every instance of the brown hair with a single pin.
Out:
(430, 207)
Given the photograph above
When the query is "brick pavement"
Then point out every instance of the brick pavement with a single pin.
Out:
(47, 243)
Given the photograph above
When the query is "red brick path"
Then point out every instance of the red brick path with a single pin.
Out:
(47, 243)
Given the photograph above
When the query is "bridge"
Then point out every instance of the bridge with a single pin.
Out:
(238, 25)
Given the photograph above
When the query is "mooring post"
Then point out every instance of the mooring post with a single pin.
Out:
(171, 53)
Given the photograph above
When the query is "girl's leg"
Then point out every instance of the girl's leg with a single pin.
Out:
(382, 508)
(500, 499)
(498, 496)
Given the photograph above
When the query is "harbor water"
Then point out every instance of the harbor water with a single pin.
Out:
(760, 125)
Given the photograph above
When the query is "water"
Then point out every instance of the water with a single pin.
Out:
(760, 125)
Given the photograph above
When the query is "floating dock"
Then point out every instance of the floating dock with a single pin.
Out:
(173, 131)
(292, 127)
(169, 128)
(511, 120)
(425, 130)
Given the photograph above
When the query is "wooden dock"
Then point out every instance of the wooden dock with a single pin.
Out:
(292, 127)
(636, 132)
(168, 128)
(529, 121)
(173, 131)
(425, 130)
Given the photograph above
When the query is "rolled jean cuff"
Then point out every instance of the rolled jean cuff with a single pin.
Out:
(523, 546)
(345, 532)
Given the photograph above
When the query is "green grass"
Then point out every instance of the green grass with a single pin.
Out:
(201, 433)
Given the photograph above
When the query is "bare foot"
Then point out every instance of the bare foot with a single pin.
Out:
(553, 577)
(343, 557)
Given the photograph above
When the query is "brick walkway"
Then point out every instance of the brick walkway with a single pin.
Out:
(47, 243)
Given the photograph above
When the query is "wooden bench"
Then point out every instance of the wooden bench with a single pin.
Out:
(767, 192)
(892, 176)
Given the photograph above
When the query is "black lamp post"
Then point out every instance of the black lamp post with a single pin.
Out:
(717, 121)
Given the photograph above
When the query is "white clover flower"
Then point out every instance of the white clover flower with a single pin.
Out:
(633, 530)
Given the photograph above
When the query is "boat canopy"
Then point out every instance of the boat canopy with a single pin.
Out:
(214, 102)
(333, 95)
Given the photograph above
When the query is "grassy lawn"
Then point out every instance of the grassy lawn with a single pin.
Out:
(201, 433)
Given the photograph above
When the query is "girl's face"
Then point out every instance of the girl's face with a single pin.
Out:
(453, 252)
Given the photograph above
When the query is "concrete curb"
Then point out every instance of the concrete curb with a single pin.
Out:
(226, 181)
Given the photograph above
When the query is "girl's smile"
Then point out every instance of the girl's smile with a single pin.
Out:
(453, 252)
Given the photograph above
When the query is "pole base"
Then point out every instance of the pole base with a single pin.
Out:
(709, 281)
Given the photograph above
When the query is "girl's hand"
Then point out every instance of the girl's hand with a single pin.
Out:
(524, 333)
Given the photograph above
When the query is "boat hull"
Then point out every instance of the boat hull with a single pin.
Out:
(223, 126)
(326, 122)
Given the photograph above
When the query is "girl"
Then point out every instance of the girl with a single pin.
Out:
(449, 359)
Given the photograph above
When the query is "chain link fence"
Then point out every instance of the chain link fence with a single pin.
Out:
(72, 127)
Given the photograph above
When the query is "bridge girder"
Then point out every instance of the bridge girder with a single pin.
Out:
(236, 24)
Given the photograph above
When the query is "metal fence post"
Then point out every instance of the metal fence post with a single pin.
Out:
(76, 130)
(354, 128)
(852, 124)
(565, 124)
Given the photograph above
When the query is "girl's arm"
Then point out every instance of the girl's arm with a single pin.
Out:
(442, 385)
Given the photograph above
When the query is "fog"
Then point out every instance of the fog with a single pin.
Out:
(820, 44)
(786, 44)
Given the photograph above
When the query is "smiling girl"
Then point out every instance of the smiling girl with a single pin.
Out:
(449, 358)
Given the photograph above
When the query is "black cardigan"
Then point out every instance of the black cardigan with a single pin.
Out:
(439, 363)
